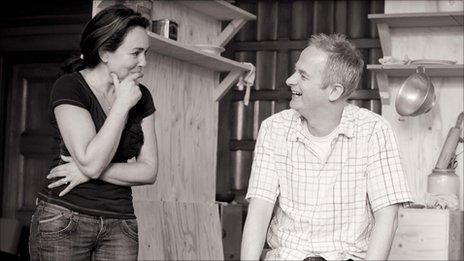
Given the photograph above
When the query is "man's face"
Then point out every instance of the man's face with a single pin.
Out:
(129, 58)
(306, 81)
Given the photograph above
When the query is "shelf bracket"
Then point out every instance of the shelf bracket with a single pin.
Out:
(384, 91)
(385, 38)
(231, 29)
(226, 84)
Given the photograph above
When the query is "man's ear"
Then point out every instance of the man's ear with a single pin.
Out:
(103, 55)
(335, 91)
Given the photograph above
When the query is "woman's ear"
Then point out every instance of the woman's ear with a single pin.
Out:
(336, 91)
(103, 55)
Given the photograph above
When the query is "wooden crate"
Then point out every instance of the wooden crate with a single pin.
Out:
(428, 234)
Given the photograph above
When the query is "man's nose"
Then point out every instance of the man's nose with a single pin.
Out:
(292, 80)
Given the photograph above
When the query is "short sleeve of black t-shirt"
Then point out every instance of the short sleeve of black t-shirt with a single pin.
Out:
(68, 89)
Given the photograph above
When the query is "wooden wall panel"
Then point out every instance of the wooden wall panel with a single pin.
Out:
(177, 215)
(179, 231)
(421, 138)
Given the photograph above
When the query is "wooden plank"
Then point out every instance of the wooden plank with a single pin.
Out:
(300, 18)
(285, 94)
(283, 45)
(419, 19)
(226, 84)
(455, 70)
(191, 55)
(385, 38)
(232, 28)
(456, 236)
(218, 9)
(178, 231)
(428, 234)
(247, 145)
(267, 20)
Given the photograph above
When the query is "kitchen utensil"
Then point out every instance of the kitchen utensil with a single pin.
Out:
(208, 48)
(432, 62)
(449, 147)
(417, 94)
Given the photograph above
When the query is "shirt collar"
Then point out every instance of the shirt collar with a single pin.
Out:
(346, 126)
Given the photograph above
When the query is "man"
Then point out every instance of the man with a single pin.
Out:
(332, 168)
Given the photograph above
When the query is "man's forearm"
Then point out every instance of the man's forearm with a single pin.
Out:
(386, 222)
(254, 232)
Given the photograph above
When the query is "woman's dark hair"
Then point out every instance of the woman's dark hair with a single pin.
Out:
(104, 31)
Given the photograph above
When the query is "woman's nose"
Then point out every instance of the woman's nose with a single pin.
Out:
(142, 60)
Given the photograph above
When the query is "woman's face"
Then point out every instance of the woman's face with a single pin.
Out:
(130, 56)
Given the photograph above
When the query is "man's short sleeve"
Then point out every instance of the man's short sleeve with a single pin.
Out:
(264, 183)
(386, 183)
(68, 90)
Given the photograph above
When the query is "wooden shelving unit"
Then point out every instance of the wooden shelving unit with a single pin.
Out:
(455, 70)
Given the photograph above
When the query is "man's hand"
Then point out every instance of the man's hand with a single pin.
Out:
(69, 174)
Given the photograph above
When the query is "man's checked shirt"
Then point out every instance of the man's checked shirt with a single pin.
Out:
(326, 208)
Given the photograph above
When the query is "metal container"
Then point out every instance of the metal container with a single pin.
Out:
(166, 28)
(416, 96)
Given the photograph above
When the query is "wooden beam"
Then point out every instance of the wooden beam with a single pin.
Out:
(285, 44)
(284, 94)
(384, 90)
(226, 84)
(248, 145)
(232, 28)
(385, 39)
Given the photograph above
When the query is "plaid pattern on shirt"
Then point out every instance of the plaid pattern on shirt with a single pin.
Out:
(325, 208)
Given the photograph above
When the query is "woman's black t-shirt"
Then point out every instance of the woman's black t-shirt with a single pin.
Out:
(96, 197)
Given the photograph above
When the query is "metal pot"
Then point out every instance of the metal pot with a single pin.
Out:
(416, 95)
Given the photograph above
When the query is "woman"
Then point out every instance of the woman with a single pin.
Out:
(103, 119)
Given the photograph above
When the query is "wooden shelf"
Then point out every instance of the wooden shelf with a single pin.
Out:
(220, 10)
(386, 21)
(419, 19)
(456, 70)
(191, 55)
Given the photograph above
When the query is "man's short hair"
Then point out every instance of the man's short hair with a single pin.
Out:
(344, 63)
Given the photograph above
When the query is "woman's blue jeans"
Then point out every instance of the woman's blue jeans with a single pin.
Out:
(58, 233)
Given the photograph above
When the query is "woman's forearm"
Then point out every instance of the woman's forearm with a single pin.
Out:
(129, 174)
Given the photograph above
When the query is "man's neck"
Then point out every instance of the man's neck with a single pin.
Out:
(324, 121)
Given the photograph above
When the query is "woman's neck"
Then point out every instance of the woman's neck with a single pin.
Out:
(99, 79)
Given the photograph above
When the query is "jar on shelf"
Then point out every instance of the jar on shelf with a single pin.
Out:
(443, 181)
